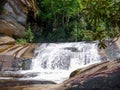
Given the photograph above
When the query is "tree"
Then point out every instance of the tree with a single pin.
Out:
(77, 20)
(55, 14)
(104, 17)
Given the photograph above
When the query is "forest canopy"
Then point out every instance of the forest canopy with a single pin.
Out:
(76, 20)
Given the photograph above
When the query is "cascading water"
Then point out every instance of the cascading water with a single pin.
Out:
(55, 61)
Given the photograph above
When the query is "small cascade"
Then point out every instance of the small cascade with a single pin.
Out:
(64, 56)
(55, 61)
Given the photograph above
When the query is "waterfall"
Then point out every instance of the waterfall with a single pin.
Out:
(55, 61)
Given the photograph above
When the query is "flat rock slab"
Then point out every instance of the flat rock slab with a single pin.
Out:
(6, 40)
(31, 87)
(16, 82)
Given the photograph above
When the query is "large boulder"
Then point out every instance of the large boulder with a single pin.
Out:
(102, 76)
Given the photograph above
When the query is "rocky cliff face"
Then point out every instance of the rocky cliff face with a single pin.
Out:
(13, 16)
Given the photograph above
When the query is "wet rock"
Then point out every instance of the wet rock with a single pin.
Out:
(16, 74)
(25, 63)
(15, 82)
(13, 78)
(11, 63)
(16, 57)
(11, 75)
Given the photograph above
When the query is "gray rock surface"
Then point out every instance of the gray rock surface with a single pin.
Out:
(13, 17)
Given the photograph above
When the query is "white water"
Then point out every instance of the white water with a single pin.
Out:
(55, 61)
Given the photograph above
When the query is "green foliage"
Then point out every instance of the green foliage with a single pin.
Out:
(29, 37)
(56, 36)
(21, 41)
(104, 17)
(53, 15)
(102, 11)
(77, 20)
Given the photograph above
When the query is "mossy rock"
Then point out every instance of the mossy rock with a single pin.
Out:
(74, 73)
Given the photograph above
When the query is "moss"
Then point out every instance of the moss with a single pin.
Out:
(74, 73)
